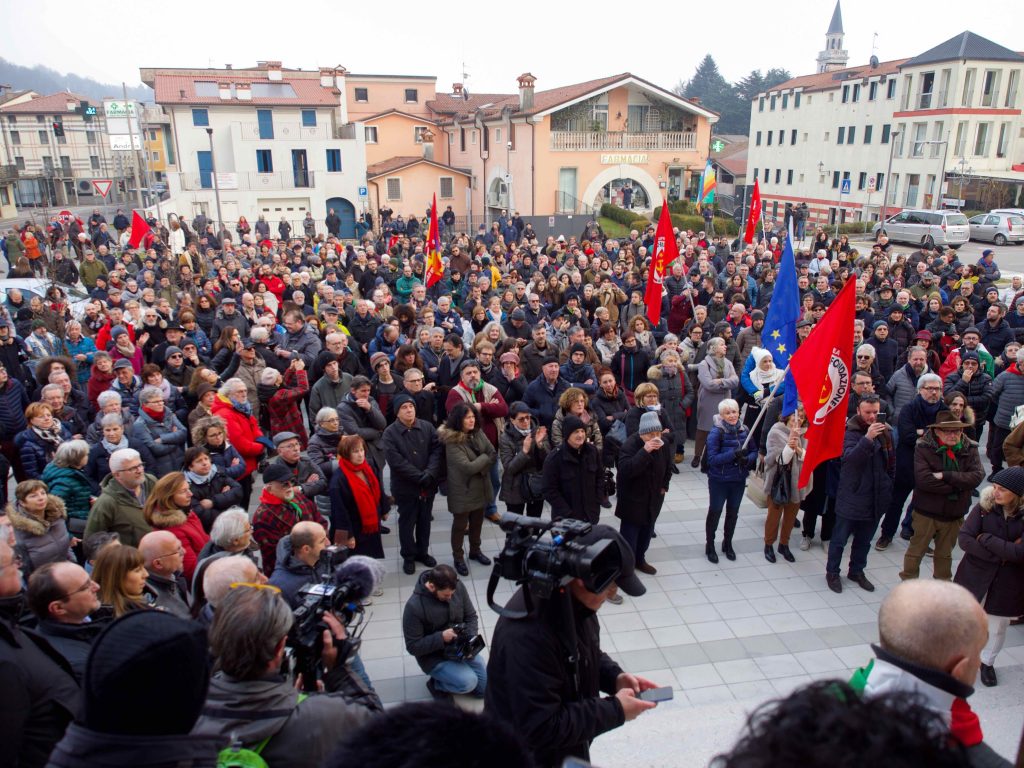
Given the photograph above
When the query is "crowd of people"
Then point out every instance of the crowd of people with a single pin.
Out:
(223, 414)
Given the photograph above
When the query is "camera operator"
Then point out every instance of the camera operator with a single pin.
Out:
(437, 619)
(553, 704)
(251, 702)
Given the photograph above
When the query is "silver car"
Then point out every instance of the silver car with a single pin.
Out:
(926, 228)
(998, 227)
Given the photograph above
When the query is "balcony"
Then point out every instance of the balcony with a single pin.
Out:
(598, 141)
(8, 173)
(286, 132)
(247, 182)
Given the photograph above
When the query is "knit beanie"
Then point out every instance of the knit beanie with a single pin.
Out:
(570, 424)
(650, 422)
(117, 330)
(1011, 478)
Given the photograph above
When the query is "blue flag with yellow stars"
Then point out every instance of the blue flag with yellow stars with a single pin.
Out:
(779, 333)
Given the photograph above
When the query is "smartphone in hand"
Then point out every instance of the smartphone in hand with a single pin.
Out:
(657, 694)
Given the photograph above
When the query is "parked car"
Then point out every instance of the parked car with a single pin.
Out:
(34, 286)
(927, 228)
(998, 227)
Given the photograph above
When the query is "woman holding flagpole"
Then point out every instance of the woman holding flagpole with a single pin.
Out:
(717, 379)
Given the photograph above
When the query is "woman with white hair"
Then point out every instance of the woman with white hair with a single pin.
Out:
(728, 462)
(717, 378)
(65, 475)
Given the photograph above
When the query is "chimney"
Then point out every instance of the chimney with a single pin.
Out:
(456, 89)
(694, 100)
(274, 70)
(243, 91)
(327, 77)
(181, 93)
(227, 66)
(526, 81)
(224, 91)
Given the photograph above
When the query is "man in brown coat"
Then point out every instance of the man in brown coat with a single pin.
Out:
(947, 468)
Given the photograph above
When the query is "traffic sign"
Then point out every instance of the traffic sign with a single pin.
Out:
(717, 145)
(846, 187)
(363, 192)
(871, 184)
(102, 186)
(65, 217)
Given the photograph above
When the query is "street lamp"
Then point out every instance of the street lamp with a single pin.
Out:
(888, 175)
(213, 172)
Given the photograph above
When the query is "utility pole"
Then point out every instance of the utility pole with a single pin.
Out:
(888, 175)
(131, 147)
(216, 188)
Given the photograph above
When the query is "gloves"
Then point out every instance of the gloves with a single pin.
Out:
(759, 396)
(740, 453)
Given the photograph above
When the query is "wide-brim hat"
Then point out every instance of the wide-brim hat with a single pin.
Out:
(946, 420)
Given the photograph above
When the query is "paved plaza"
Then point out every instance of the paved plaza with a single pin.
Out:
(727, 637)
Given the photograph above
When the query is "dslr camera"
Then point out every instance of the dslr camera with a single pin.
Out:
(465, 646)
(544, 564)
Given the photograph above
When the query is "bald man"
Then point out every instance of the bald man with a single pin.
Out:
(930, 638)
(300, 559)
(164, 558)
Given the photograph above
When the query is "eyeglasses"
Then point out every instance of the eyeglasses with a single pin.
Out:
(131, 469)
(16, 561)
(179, 551)
(255, 585)
(865, 357)
(84, 588)
(933, 387)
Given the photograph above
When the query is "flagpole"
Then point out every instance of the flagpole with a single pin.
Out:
(764, 406)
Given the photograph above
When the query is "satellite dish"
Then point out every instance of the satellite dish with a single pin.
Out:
(874, 62)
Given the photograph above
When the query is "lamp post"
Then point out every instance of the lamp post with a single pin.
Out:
(888, 175)
(213, 174)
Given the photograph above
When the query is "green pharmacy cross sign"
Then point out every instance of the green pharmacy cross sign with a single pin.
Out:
(717, 145)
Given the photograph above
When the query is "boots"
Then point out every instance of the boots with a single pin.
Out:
(709, 550)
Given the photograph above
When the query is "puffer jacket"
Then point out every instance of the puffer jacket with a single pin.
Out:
(723, 442)
(977, 391)
(608, 409)
(35, 452)
(425, 618)
(469, 458)
(516, 463)
(992, 567)
(40, 541)
(73, 486)
(167, 455)
(593, 430)
(243, 430)
(866, 475)
(674, 394)
(1007, 393)
(222, 490)
(574, 483)
(946, 499)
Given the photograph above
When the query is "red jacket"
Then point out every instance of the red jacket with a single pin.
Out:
(242, 432)
(275, 285)
(103, 335)
(189, 530)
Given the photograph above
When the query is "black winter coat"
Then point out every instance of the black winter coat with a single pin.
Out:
(531, 688)
(865, 479)
(643, 480)
(425, 618)
(993, 564)
(214, 491)
(414, 455)
(573, 483)
(609, 409)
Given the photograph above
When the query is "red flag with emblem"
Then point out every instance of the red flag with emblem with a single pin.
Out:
(435, 269)
(821, 370)
(664, 252)
(753, 215)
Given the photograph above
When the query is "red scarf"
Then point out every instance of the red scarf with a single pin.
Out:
(365, 490)
(154, 415)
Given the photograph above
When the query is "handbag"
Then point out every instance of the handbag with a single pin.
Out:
(618, 431)
(532, 486)
(782, 484)
(755, 487)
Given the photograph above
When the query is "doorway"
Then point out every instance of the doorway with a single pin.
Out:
(346, 212)
(300, 168)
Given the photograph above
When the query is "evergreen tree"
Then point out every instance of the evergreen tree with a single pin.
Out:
(732, 102)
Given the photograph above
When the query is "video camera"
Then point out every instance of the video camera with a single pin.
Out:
(544, 565)
(465, 646)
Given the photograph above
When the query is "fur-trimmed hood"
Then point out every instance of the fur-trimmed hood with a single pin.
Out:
(452, 436)
(168, 518)
(22, 521)
(988, 502)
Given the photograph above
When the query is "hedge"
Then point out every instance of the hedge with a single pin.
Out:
(723, 225)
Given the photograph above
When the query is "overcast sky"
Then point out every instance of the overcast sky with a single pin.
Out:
(559, 42)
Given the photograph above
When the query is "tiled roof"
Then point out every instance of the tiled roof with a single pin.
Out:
(387, 112)
(453, 106)
(824, 81)
(733, 158)
(393, 164)
(308, 91)
(55, 103)
(966, 45)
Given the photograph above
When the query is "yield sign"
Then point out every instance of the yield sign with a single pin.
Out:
(102, 186)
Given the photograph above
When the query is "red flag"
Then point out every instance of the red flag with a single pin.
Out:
(139, 230)
(821, 370)
(754, 215)
(665, 251)
(435, 269)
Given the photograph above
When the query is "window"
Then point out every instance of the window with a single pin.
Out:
(511, 137)
(497, 135)
(894, 189)
(200, 118)
(901, 129)
(961, 139)
(487, 138)
(990, 88)
(40, 118)
(782, 138)
(846, 93)
(879, 182)
(905, 100)
(362, 95)
(778, 175)
(943, 97)
(15, 137)
(757, 139)
(264, 161)
(868, 129)
(417, 133)
(938, 143)
(394, 189)
(370, 132)
(94, 162)
(785, 100)
(44, 137)
(771, 105)
(755, 173)
(65, 165)
(447, 187)
(760, 104)
(890, 92)
(90, 137)
(1004, 140)
(796, 100)
(967, 97)
(873, 91)
(835, 179)
(152, 135)
(792, 137)
(265, 122)
(920, 136)
(411, 96)
(767, 171)
(886, 133)
(981, 139)
(19, 162)
(472, 136)
(5, 198)
(913, 184)
(789, 177)
(841, 135)
(309, 118)
(462, 139)
(850, 134)
(334, 161)
(1011, 88)
(862, 180)
(856, 93)
(925, 86)
(770, 135)
(155, 156)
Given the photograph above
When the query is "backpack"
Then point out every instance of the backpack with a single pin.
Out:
(237, 756)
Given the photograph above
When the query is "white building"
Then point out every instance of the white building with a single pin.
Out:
(278, 139)
(952, 110)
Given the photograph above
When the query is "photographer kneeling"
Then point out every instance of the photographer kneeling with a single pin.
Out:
(440, 627)
(251, 702)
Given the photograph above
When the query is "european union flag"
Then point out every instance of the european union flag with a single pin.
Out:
(779, 333)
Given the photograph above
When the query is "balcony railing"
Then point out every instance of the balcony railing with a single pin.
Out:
(587, 141)
(286, 132)
(8, 173)
(248, 182)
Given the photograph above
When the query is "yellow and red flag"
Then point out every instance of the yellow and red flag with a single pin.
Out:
(435, 269)
(664, 252)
